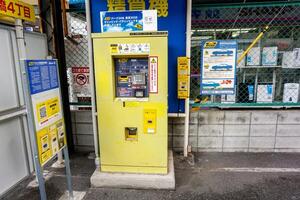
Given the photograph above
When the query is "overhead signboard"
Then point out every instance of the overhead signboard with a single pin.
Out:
(46, 106)
(121, 21)
(218, 67)
(17, 9)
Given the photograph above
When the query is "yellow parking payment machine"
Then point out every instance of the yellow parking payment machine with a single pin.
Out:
(131, 71)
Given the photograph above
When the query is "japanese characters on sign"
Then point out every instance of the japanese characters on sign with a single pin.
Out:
(17, 9)
(120, 5)
(218, 67)
(183, 71)
(153, 74)
(120, 21)
(46, 107)
(81, 82)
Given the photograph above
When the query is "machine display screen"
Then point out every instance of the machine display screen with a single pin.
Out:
(131, 75)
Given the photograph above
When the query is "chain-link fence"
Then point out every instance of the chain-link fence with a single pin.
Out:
(269, 74)
(76, 45)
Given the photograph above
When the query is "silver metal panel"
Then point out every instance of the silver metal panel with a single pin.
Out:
(13, 167)
(21, 96)
(17, 67)
(36, 46)
(8, 86)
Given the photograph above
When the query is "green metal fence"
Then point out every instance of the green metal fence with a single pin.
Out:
(269, 75)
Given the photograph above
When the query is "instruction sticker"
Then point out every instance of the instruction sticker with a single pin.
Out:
(47, 109)
(130, 48)
(51, 140)
(153, 74)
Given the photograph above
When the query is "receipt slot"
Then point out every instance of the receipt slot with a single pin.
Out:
(132, 100)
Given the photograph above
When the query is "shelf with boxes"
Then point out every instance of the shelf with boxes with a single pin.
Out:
(267, 77)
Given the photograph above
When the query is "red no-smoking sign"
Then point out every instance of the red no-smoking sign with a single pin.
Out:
(81, 79)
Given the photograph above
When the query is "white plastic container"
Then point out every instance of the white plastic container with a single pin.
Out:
(253, 57)
(264, 94)
(288, 59)
(269, 56)
(296, 58)
(291, 93)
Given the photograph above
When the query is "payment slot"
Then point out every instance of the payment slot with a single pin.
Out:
(132, 99)
(183, 71)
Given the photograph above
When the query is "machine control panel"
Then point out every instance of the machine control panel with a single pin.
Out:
(131, 75)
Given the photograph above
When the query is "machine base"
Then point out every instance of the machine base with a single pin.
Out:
(136, 181)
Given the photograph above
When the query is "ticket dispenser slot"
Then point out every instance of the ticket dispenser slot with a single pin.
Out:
(131, 133)
(150, 121)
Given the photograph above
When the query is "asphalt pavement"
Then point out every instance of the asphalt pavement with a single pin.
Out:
(202, 176)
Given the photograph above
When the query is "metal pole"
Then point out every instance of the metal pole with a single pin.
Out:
(92, 81)
(61, 57)
(22, 57)
(68, 172)
(188, 54)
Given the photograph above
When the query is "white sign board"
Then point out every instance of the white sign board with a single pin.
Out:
(218, 67)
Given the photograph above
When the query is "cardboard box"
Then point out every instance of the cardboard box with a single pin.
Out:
(291, 93)
(296, 58)
(264, 94)
(243, 61)
(269, 56)
(253, 57)
(288, 59)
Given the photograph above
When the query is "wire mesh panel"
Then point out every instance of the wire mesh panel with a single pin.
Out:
(269, 73)
(76, 45)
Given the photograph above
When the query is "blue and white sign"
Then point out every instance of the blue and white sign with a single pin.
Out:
(218, 67)
(122, 21)
(42, 75)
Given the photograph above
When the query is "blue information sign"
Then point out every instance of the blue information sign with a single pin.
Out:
(42, 75)
(121, 21)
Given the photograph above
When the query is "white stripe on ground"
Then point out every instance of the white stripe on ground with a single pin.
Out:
(257, 170)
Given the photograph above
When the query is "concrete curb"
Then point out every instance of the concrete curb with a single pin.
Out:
(136, 181)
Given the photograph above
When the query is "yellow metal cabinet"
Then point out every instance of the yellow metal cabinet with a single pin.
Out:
(132, 89)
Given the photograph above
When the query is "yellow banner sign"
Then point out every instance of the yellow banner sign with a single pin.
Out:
(17, 9)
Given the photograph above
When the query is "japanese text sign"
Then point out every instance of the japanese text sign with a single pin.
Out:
(120, 21)
(218, 67)
(120, 5)
(17, 9)
(46, 107)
